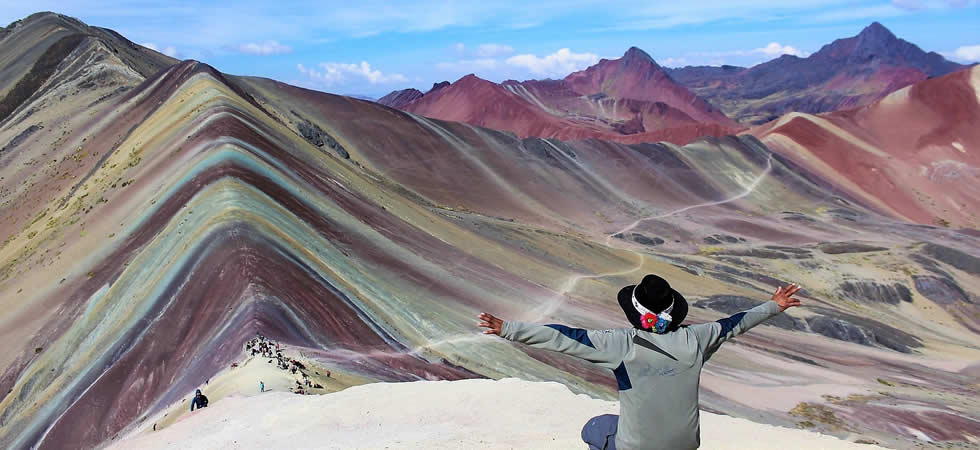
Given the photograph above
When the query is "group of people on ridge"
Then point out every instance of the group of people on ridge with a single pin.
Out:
(261, 346)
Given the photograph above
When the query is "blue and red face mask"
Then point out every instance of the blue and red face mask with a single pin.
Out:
(656, 323)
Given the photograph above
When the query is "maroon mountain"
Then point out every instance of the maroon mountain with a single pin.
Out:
(846, 73)
(630, 99)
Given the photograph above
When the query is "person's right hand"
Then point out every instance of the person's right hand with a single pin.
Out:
(492, 324)
(784, 297)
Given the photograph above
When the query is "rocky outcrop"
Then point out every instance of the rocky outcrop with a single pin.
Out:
(312, 133)
(967, 263)
(640, 239)
(20, 138)
(862, 331)
(38, 74)
(873, 292)
(940, 290)
(837, 248)
(769, 252)
(437, 86)
(719, 239)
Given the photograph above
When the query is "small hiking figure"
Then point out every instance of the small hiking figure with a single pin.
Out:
(154, 427)
(261, 386)
(657, 362)
(200, 400)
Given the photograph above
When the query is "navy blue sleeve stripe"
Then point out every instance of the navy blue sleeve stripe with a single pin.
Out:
(728, 323)
(580, 335)
(622, 378)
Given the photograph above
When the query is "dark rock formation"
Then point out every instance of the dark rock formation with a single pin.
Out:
(940, 290)
(719, 239)
(38, 74)
(21, 137)
(862, 331)
(769, 253)
(437, 86)
(967, 263)
(640, 239)
(799, 252)
(870, 291)
(312, 132)
(836, 248)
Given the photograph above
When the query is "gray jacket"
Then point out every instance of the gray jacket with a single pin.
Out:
(658, 374)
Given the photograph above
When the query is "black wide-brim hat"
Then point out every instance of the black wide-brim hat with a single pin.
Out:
(655, 294)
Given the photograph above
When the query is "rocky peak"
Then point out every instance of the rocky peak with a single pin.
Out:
(635, 56)
(437, 86)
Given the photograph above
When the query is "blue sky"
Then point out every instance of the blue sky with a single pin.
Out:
(371, 47)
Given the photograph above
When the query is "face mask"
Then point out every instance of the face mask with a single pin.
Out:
(657, 323)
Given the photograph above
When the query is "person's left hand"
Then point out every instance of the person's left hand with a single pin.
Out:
(492, 324)
(784, 297)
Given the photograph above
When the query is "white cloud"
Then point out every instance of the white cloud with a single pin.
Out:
(559, 63)
(773, 50)
(330, 73)
(776, 49)
(675, 62)
(968, 53)
(169, 50)
(493, 50)
(264, 48)
(459, 47)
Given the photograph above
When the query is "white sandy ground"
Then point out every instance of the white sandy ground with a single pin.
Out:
(485, 414)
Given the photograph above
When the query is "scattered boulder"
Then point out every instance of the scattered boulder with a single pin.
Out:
(940, 290)
(836, 248)
(870, 291)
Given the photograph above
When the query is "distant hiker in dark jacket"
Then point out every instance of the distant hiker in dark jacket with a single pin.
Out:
(657, 363)
(200, 400)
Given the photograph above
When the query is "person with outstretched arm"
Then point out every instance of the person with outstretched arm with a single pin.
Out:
(657, 362)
